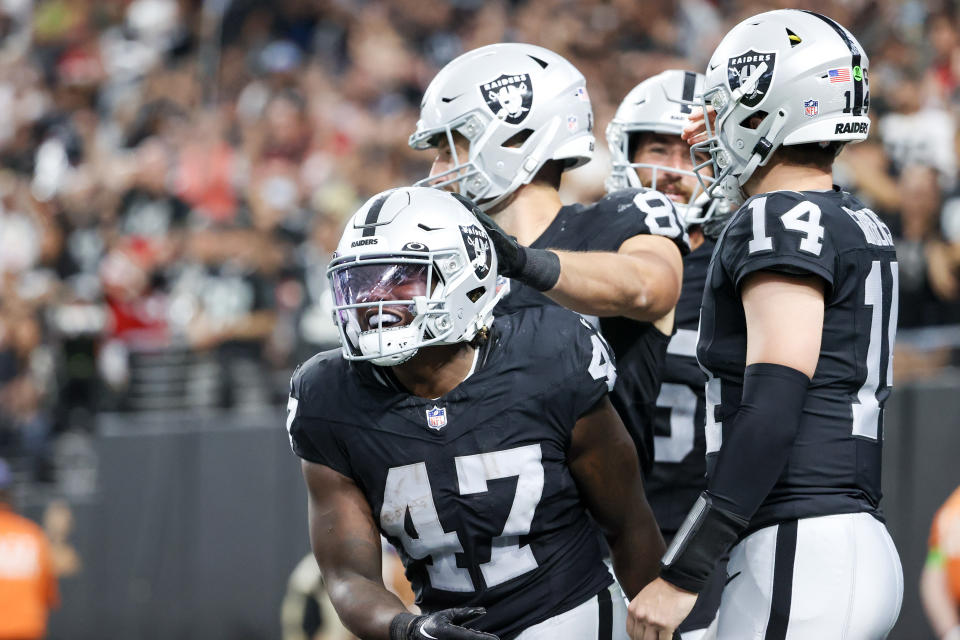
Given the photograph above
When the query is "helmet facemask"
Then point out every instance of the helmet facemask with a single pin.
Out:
(387, 307)
(466, 176)
(732, 169)
(697, 208)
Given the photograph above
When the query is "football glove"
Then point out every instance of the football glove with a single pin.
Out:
(538, 268)
(441, 625)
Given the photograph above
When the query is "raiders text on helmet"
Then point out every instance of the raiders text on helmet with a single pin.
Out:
(413, 268)
(784, 77)
(518, 105)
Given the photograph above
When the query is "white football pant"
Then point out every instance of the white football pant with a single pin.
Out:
(832, 577)
(602, 617)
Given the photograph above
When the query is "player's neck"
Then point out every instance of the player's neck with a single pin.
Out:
(529, 212)
(788, 177)
(695, 234)
(435, 371)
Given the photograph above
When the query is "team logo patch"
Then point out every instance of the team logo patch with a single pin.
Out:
(571, 123)
(811, 108)
(437, 417)
(509, 97)
(478, 249)
(744, 71)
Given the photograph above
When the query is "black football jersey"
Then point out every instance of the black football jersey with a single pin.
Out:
(834, 465)
(472, 488)
(639, 347)
(679, 468)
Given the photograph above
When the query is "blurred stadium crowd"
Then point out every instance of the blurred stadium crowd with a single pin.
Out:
(174, 174)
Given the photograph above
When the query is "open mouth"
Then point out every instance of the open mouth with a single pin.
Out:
(376, 318)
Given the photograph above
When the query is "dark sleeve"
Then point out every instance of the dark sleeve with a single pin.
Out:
(780, 232)
(311, 437)
(633, 212)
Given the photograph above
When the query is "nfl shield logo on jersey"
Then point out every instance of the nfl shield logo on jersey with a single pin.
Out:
(811, 108)
(437, 417)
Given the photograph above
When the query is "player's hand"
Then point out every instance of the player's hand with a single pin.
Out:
(441, 625)
(658, 610)
(511, 257)
(696, 129)
(538, 268)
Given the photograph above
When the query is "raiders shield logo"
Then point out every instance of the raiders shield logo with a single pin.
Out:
(742, 71)
(478, 249)
(509, 97)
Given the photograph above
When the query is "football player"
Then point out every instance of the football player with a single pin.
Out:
(796, 336)
(645, 144)
(476, 448)
(506, 121)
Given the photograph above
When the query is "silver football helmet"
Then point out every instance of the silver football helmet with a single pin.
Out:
(659, 104)
(784, 77)
(518, 105)
(413, 268)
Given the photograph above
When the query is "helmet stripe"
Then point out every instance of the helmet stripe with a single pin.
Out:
(370, 222)
(854, 61)
(689, 85)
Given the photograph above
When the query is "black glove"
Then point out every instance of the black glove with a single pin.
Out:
(538, 268)
(441, 625)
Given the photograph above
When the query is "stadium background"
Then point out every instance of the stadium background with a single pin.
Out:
(173, 178)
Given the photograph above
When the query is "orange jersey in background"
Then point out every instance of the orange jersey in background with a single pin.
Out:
(945, 541)
(28, 588)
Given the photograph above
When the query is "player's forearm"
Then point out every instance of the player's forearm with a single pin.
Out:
(346, 545)
(636, 552)
(760, 438)
(756, 447)
(603, 462)
(616, 284)
(365, 606)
